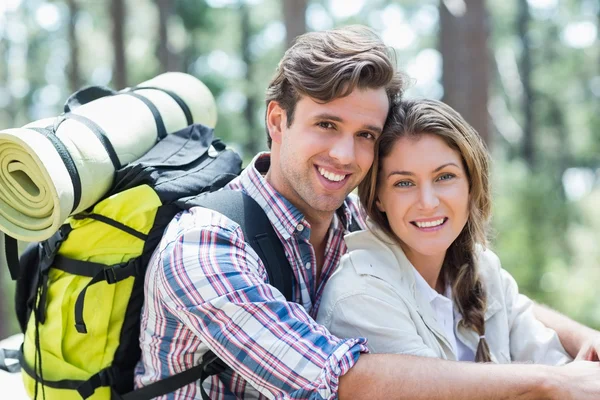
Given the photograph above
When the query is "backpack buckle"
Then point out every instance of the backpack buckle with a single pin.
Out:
(110, 275)
(212, 365)
(106, 377)
(50, 247)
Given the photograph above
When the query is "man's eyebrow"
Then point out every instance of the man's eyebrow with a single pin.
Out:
(408, 173)
(335, 118)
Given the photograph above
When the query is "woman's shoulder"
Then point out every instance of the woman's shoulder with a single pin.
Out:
(371, 254)
(491, 272)
(368, 260)
(488, 261)
(368, 270)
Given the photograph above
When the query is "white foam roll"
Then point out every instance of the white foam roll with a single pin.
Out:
(36, 190)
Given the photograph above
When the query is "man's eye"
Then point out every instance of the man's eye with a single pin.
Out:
(325, 125)
(367, 135)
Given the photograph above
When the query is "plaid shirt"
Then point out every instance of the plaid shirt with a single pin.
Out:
(205, 288)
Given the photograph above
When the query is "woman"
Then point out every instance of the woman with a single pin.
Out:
(420, 280)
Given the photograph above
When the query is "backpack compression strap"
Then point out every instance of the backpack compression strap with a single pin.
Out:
(259, 234)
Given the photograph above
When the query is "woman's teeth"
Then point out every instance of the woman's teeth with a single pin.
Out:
(430, 224)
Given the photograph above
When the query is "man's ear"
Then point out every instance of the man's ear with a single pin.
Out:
(276, 121)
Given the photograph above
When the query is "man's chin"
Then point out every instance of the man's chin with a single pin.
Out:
(326, 204)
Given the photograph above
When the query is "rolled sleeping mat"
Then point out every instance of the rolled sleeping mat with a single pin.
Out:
(56, 167)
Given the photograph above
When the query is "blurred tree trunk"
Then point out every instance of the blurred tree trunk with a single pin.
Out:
(294, 16)
(528, 95)
(74, 72)
(117, 12)
(252, 145)
(558, 122)
(7, 113)
(464, 31)
(169, 61)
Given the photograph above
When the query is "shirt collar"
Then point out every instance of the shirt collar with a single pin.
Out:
(284, 216)
(428, 292)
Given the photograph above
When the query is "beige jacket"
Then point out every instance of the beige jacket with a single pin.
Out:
(373, 295)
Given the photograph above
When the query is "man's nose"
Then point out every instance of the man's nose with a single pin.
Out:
(343, 150)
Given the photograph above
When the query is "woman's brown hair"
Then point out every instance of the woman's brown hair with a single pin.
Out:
(412, 119)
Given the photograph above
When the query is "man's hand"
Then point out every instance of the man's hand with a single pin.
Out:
(590, 349)
(577, 381)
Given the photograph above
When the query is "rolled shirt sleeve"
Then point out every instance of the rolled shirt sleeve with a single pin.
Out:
(215, 284)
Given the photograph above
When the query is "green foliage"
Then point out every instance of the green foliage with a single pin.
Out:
(194, 14)
(543, 242)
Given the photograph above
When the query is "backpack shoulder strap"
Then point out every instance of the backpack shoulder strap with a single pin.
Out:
(10, 250)
(258, 231)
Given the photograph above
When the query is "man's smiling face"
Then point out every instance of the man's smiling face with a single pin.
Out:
(327, 150)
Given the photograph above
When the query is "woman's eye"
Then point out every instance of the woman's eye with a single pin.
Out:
(404, 184)
(446, 177)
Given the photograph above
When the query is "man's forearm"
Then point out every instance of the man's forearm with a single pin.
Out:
(572, 334)
(390, 377)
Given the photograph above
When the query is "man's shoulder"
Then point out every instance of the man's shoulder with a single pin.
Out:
(198, 219)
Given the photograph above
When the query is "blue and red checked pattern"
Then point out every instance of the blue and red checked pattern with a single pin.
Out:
(206, 289)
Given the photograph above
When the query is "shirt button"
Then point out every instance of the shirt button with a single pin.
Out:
(299, 227)
(307, 265)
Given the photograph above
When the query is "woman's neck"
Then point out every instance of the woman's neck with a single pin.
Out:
(429, 266)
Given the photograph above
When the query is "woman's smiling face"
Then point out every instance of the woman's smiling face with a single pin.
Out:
(423, 188)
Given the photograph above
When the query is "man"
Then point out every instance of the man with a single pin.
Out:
(207, 289)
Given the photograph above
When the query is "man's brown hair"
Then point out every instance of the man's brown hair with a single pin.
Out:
(327, 65)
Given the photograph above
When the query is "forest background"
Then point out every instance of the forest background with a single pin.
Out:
(524, 73)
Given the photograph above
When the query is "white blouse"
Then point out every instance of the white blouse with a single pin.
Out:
(374, 294)
(445, 315)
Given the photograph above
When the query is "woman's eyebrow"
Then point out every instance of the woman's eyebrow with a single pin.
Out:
(408, 173)
(444, 166)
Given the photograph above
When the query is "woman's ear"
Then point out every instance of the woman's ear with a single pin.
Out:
(379, 205)
(276, 120)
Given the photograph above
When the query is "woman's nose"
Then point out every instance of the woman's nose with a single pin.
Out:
(428, 198)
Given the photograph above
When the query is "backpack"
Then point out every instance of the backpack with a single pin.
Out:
(79, 294)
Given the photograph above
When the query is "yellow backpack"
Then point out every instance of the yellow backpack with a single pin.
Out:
(78, 331)
(80, 293)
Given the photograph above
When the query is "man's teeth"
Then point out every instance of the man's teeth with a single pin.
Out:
(430, 224)
(330, 175)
